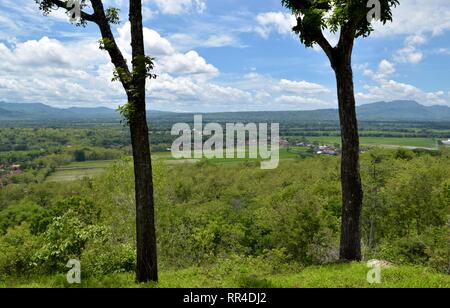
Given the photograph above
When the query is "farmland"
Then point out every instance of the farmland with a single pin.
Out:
(428, 143)
(78, 170)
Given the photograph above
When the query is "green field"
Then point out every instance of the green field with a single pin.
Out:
(167, 157)
(79, 170)
(382, 141)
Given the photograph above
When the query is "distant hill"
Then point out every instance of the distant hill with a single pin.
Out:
(380, 111)
(42, 112)
(403, 111)
(6, 113)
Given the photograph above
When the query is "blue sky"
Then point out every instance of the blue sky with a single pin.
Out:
(228, 55)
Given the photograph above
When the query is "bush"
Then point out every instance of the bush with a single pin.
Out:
(428, 249)
(103, 258)
(16, 214)
(65, 239)
(17, 248)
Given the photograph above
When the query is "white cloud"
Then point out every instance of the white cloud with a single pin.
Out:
(188, 63)
(155, 45)
(195, 40)
(63, 74)
(386, 68)
(387, 89)
(384, 88)
(409, 53)
(305, 102)
(279, 22)
(168, 60)
(177, 7)
(417, 16)
(415, 40)
(392, 90)
(55, 73)
(443, 51)
(302, 87)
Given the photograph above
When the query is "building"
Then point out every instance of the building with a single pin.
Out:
(284, 143)
(446, 142)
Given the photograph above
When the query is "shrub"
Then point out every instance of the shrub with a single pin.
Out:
(104, 257)
(17, 248)
(65, 239)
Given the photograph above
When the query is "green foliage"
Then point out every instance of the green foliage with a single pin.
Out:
(113, 15)
(65, 239)
(148, 63)
(106, 44)
(79, 155)
(247, 227)
(103, 257)
(28, 212)
(317, 15)
(126, 111)
(17, 248)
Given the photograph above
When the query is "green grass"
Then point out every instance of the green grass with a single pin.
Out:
(168, 159)
(79, 170)
(354, 276)
(327, 276)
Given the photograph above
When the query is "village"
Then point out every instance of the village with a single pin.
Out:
(318, 149)
(446, 142)
(314, 148)
(8, 171)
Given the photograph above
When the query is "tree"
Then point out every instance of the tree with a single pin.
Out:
(79, 155)
(352, 18)
(134, 82)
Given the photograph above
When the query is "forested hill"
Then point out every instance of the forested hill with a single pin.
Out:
(380, 111)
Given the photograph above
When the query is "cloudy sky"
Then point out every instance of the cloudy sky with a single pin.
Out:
(228, 55)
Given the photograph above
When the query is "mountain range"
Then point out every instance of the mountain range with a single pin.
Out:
(379, 111)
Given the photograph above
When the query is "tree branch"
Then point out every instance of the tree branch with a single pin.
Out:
(325, 45)
(316, 37)
(116, 55)
(348, 31)
(109, 42)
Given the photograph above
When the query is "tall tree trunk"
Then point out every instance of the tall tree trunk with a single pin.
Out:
(146, 267)
(352, 194)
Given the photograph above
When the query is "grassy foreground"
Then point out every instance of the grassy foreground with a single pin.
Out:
(327, 276)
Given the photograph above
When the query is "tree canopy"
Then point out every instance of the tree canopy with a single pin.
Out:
(352, 17)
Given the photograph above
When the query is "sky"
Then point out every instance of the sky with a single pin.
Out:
(227, 55)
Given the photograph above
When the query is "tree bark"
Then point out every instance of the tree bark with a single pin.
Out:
(352, 194)
(146, 267)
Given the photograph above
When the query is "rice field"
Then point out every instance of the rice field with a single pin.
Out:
(79, 170)
(428, 143)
